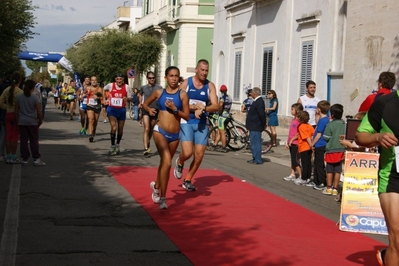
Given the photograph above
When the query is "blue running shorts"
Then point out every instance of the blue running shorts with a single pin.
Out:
(118, 113)
(196, 133)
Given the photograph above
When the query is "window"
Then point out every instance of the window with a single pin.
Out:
(237, 76)
(306, 65)
(267, 70)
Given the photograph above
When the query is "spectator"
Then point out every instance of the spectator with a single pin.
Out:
(292, 143)
(272, 111)
(319, 146)
(305, 133)
(334, 150)
(246, 104)
(380, 128)
(225, 103)
(256, 123)
(7, 101)
(3, 86)
(309, 102)
(135, 104)
(386, 81)
(28, 112)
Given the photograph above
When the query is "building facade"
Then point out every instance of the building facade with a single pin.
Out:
(342, 45)
(185, 29)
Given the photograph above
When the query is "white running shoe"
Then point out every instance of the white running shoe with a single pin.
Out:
(155, 193)
(162, 204)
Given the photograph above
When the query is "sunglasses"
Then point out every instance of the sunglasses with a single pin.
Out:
(150, 77)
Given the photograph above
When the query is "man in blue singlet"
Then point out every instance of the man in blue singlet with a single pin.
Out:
(202, 100)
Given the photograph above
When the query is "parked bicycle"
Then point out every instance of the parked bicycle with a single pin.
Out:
(130, 109)
(237, 136)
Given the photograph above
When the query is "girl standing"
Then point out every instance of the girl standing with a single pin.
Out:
(28, 112)
(7, 101)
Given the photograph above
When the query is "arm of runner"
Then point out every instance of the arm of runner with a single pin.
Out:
(154, 96)
(185, 112)
(213, 107)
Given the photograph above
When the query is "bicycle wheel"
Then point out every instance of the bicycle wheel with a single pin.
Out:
(238, 137)
(131, 111)
(266, 141)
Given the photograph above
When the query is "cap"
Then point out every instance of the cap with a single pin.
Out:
(223, 88)
(119, 75)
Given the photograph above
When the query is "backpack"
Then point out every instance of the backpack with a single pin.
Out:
(44, 92)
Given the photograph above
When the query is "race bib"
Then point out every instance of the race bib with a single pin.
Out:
(71, 97)
(92, 101)
(84, 101)
(191, 102)
(116, 102)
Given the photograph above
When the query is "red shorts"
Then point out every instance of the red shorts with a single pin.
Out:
(12, 130)
(334, 157)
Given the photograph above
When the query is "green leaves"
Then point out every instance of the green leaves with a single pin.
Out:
(113, 51)
(16, 22)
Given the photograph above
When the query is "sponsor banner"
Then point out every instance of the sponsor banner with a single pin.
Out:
(360, 207)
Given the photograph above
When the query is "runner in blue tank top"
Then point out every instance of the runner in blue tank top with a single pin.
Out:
(194, 132)
(173, 106)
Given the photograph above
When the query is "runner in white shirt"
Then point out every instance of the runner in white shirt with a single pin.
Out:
(309, 102)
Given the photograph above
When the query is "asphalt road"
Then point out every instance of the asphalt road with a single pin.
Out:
(72, 212)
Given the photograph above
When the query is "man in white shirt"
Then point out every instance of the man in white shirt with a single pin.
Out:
(309, 102)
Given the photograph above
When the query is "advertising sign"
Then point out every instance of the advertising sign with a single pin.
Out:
(360, 207)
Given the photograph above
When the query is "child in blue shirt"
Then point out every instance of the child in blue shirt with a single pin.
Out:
(319, 146)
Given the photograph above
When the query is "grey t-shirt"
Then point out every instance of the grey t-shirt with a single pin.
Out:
(27, 110)
(147, 90)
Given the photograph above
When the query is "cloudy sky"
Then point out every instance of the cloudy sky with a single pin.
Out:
(61, 23)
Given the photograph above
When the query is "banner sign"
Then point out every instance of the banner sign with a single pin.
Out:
(360, 207)
(45, 57)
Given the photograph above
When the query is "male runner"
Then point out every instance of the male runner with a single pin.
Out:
(194, 132)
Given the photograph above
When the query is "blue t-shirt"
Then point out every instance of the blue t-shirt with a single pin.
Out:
(320, 127)
(197, 96)
(175, 98)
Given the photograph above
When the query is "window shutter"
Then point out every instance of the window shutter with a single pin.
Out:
(267, 70)
(237, 76)
(306, 65)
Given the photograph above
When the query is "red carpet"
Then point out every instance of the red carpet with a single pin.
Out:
(230, 222)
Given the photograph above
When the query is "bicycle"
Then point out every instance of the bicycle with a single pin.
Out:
(237, 136)
(130, 109)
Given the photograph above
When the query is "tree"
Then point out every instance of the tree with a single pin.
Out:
(16, 22)
(113, 52)
(35, 65)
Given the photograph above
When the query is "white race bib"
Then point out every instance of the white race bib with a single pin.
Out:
(92, 101)
(84, 101)
(116, 102)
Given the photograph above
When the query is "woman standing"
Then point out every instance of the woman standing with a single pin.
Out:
(7, 101)
(173, 105)
(94, 94)
(28, 112)
(272, 113)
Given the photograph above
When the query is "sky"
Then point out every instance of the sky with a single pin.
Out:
(61, 23)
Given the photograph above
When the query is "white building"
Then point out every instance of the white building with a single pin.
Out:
(342, 45)
(185, 28)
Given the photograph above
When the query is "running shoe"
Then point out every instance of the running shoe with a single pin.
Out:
(381, 256)
(146, 151)
(319, 187)
(14, 161)
(155, 193)
(71, 118)
(25, 161)
(300, 181)
(289, 178)
(327, 191)
(82, 131)
(187, 185)
(178, 171)
(162, 204)
(38, 162)
(112, 151)
(91, 138)
(334, 192)
(117, 150)
(310, 184)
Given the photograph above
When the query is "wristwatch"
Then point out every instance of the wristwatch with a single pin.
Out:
(176, 111)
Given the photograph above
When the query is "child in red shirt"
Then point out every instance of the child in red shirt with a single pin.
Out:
(305, 134)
